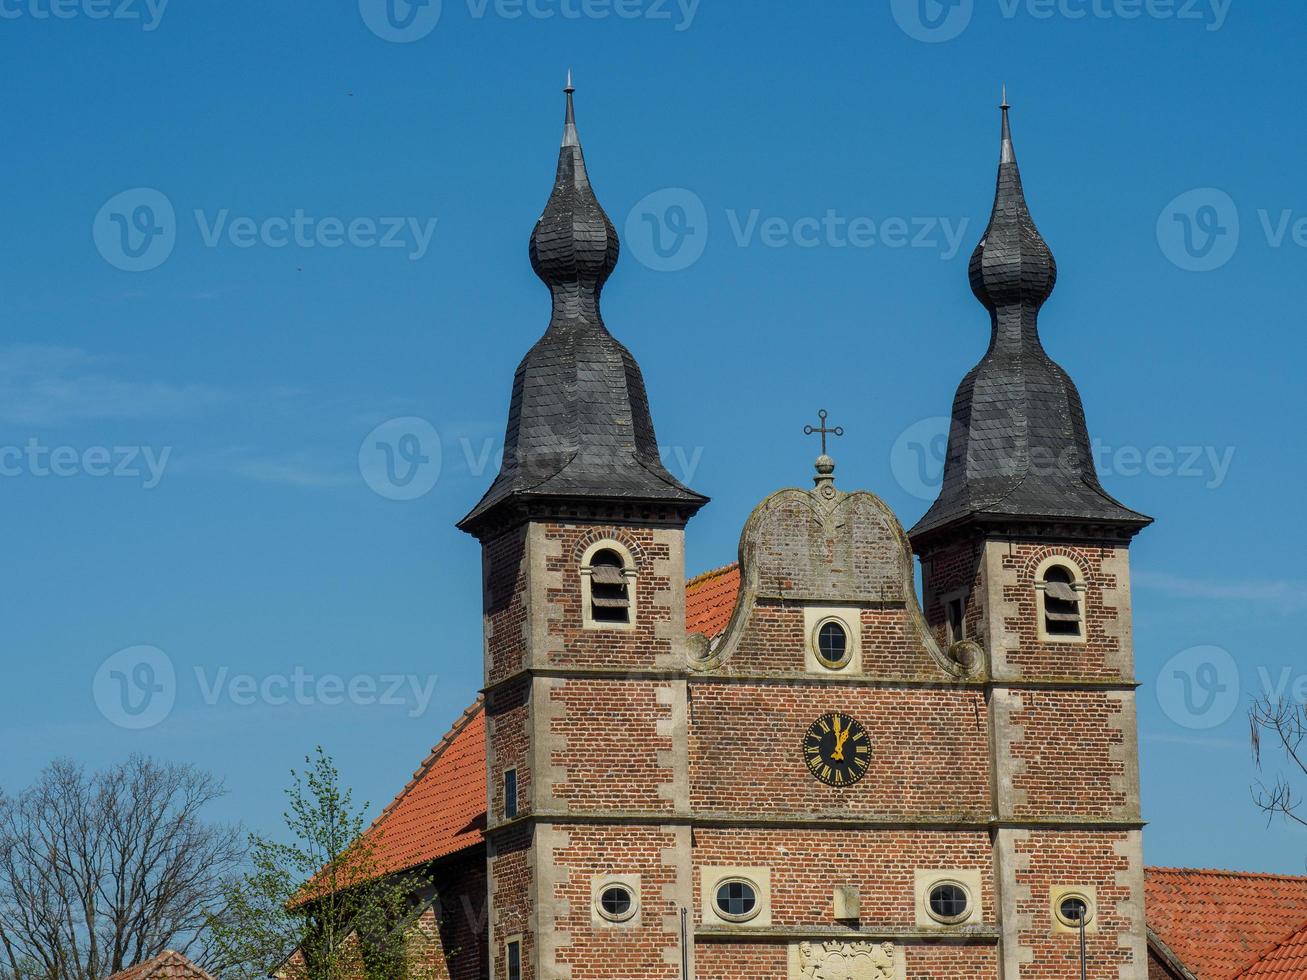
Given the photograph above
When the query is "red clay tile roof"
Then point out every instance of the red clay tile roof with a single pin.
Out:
(442, 810)
(1286, 962)
(1222, 923)
(168, 965)
(710, 600)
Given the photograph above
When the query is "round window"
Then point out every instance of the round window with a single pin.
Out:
(616, 903)
(832, 642)
(948, 902)
(737, 900)
(1074, 910)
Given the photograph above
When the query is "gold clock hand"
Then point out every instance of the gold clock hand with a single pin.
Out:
(840, 738)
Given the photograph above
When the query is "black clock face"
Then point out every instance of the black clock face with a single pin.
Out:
(837, 750)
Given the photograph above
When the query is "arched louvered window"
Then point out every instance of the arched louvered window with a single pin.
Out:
(608, 580)
(1061, 603)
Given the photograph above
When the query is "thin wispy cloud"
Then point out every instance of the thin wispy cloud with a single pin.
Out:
(303, 468)
(1286, 593)
(46, 386)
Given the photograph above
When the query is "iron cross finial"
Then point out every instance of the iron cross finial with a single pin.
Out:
(809, 430)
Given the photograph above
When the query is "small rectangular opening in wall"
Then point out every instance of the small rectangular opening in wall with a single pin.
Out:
(513, 955)
(510, 794)
(957, 623)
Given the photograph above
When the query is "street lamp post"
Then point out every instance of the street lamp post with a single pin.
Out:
(1084, 915)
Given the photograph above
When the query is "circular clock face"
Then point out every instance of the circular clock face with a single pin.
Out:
(837, 749)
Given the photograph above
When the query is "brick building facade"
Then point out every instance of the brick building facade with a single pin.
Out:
(808, 772)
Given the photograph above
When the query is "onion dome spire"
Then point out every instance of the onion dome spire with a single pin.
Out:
(1018, 446)
(579, 426)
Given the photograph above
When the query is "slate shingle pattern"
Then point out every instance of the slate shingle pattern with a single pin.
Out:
(579, 422)
(1018, 444)
(1225, 925)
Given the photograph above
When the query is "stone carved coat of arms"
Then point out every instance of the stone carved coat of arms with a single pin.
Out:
(846, 961)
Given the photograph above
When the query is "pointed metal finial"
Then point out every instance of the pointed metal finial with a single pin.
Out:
(1008, 154)
(570, 137)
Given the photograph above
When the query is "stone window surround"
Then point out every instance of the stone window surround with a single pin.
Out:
(1087, 894)
(969, 881)
(1077, 583)
(848, 616)
(629, 572)
(601, 883)
(512, 801)
(947, 600)
(509, 942)
(712, 878)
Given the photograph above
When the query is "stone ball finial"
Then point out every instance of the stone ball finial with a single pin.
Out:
(825, 465)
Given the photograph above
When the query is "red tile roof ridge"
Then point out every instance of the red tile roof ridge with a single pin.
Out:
(712, 574)
(168, 958)
(1292, 949)
(437, 750)
(1223, 873)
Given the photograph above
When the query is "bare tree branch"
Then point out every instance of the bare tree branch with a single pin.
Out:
(1283, 724)
(101, 871)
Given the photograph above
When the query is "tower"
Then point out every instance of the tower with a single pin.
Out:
(1026, 554)
(582, 534)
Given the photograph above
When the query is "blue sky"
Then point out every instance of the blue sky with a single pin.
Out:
(351, 190)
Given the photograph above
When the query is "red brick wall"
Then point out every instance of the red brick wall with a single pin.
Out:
(774, 641)
(512, 881)
(930, 750)
(807, 864)
(508, 744)
(617, 952)
(1060, 858)
(1036, 658)
(505, 599)
(463, 909)
(606, 648)
(945, 572)
(1067, 747)
(769, 961)
(609, 756)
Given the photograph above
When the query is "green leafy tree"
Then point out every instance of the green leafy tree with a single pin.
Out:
(322, 906)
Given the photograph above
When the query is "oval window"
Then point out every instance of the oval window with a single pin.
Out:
(949, 902)
(832, 642)
(737, 900)
(1074, 911)
(616, 903)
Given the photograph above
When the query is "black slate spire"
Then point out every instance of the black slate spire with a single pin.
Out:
(579, 427)
(1018, 447)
